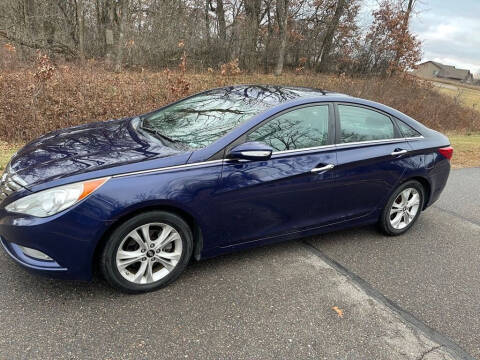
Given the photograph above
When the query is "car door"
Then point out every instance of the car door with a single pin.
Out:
(372, 157)
(265, 199)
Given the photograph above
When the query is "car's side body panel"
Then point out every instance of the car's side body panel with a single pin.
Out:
(273, 197)
(366, 175)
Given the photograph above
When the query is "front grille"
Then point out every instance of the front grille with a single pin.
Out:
(9, 183)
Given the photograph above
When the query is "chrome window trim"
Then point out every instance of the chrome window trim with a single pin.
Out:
(332, 146)
(168, 168)
(310, 149)
(420, 137)
(383, 141)
(373, 142)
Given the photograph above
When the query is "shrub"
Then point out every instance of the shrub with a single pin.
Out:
(72, 95)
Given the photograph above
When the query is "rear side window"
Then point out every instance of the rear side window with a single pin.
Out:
(406, 130)
(360, 124)
(298, 129)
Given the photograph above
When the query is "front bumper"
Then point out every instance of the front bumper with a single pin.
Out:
(69, 238)
(28, 262)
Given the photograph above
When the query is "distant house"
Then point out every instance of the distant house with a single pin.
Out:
(433, 69)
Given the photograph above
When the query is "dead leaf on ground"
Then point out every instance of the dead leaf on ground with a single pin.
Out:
(338, 311)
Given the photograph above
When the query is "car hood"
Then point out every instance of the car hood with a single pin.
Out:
(86, 148)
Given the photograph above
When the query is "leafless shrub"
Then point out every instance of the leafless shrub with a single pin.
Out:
(78, 94)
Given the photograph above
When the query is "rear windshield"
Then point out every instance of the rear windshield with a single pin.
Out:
(202, 119)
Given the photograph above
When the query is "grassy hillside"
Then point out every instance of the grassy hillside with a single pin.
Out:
(34, 102)
(468, 96)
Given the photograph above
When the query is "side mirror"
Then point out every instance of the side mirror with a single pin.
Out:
(250, 151)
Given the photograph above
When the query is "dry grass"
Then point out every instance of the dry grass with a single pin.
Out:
(30, 107)
(466, 150)
(6, 152)
(463, 95)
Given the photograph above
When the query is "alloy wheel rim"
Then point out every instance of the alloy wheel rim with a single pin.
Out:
(149, 253)
(405, 208)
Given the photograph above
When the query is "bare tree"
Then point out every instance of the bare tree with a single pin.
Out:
(120, 10)
(329, 34)
(81, 29)
(404, 29)
(282, 20)
(268, 35)
(252, 22)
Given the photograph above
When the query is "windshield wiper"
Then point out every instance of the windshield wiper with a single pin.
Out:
(157, 134)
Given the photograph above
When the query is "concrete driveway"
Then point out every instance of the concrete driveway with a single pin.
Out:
(411, 297)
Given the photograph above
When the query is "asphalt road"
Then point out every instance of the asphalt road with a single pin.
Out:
(433, 271)
(273, 302)
(270, 303)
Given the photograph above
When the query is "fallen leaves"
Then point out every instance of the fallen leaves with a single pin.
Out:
(338, 311)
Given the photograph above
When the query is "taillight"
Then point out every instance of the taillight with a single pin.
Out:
(446, 151)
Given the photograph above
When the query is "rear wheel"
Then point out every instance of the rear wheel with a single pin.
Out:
(147, 252)
(403, 208)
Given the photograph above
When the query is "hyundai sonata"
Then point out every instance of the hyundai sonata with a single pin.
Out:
(223, 170)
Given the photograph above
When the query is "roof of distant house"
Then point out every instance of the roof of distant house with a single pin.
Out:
(448, 71)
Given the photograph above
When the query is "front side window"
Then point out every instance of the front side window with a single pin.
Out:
(298, 129)
(360, 124)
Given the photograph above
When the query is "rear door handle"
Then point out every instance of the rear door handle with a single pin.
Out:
(398, 152)
(323, 168)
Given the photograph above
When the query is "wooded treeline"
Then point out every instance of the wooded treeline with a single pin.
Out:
(264, 35)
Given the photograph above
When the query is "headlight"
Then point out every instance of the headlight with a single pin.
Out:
(49, 202)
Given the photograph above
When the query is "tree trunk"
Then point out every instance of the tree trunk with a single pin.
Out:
(406, 20)
(207, 22)
(30, 18)
(222, 28)
(252, 12)
(101, 19)
(282, 19)
(81, 29)
(329, 34)
(119, 20)
(268, 40)
(108, 26)
(222, 25)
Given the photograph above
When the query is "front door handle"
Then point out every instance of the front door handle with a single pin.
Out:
(398, 152)
(323, 168)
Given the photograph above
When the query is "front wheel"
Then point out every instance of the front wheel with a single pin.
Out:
(147, 252)
(403, 208)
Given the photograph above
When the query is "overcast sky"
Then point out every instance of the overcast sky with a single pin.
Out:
(449, 30)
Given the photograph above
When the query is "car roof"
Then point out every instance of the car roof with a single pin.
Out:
(271, 95)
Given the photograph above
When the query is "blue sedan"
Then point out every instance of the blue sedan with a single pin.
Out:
(224, 170)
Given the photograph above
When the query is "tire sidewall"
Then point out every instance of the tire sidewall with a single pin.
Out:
(108, 259)
(386, 224)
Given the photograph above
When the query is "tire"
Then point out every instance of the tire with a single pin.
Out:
(397, 208)
(134, 265)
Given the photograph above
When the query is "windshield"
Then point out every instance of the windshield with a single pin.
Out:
(204, 118)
